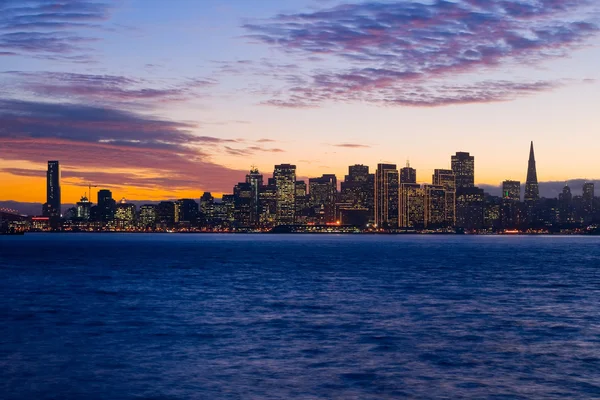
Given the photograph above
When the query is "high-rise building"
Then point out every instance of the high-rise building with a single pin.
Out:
(83, 208)
(268, 201)
(165, 213)
(447, 179)
(435, 207)
(408, 174)
(53, 205)
(463, 166)
(125, 214)
(147, 216)
(411, 206)
(588, 201)
(532, 190)
(511, 191)
(510, 209)
(106, 205)
(386, 195)
(470, 205)
(302, 208)
(186, 212)
(255, 180)
(565, 205)
(243, 194)
(322, 197)
(284, 178)
(357, 190)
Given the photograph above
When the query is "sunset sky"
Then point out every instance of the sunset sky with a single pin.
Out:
(167, 99)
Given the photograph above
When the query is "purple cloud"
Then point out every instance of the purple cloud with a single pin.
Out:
(394, 48)
(50, 29)
(106, 89)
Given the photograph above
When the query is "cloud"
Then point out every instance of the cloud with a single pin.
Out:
(106, 89)
(405, 52)
(53, 29)
(250, 150)
(157, 153)
(352, 145)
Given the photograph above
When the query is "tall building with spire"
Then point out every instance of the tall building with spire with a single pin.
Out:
(532, 190)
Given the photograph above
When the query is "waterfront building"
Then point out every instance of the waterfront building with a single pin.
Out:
(106, 205)
(411, 206)
(186, 212)
(52, 207)
(447, 179)
(435, 203)
(83, 207)
(463, 166)
(125, 215)
(408, 174)
(322, 197)
(470, 203)
(255, 180)
(285, 183)
(165, 212)
(387, 186)
(148, 216)
(588, 201)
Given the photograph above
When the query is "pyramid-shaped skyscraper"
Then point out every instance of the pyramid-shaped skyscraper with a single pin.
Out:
(532, 190)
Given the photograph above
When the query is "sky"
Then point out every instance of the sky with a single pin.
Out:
(161, 100)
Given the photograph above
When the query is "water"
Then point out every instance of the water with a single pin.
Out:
(131, 316)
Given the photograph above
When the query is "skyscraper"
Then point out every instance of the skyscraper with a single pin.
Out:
(255, 180)
(588, 201)
(469, 208)
(447, 179)
(386, 195)
(435, 206)
(511, 191)
(565, 205)
(106, 205)
(302, 209)
(323, 195)
(411, 206)
(463, 166)
(285, 181)
(52, 208)
(532, 190)
(511, 197)
(408, 174)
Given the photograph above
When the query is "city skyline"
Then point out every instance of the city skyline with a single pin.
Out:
(361, 82)
(387, 200)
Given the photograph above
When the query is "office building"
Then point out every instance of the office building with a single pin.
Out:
(435, 204)
(52, 207)
(511, 206)
(148, 216)
(408, 174)
(470, 204)
(322, 194)
(447, 179)
(284, 178)
(588, 201)
(532, 190)
(106, 205)
(411, 206)
(463, 166)
(387, 186)
(125, 215)
(255, 180)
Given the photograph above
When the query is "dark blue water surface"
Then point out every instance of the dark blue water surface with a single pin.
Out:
(111, 316)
